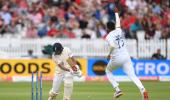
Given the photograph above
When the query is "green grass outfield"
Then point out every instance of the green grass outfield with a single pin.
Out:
(87, 91)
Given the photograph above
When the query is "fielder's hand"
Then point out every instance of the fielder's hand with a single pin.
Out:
(108, 57)
(115, 9)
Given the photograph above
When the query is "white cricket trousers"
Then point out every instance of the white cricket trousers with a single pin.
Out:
(67, 77)
(126, 63)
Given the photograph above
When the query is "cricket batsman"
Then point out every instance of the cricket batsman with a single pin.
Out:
(119, 57)
(66, 68)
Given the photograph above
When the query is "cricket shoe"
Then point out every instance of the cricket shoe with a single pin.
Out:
(145, 95)
(52, 98)
(118, 94)
(52, 95)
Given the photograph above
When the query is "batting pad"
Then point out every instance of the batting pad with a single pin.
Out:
(68, 87)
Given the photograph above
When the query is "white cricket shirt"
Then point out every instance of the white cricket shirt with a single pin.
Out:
(62, 59)
(116, 40)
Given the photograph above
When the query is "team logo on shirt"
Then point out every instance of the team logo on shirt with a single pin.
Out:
(120, 41)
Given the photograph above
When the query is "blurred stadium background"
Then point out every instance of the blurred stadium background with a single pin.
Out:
(28, 28)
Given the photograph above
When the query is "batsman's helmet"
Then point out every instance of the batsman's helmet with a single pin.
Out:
(57, 48)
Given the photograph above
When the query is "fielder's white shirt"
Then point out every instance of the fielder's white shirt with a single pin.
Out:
(62, 59)
(116, 40)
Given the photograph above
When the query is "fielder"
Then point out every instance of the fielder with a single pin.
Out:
(119, 56)
(65, 69)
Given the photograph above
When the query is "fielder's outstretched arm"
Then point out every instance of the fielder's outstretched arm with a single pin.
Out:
(117, 18)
